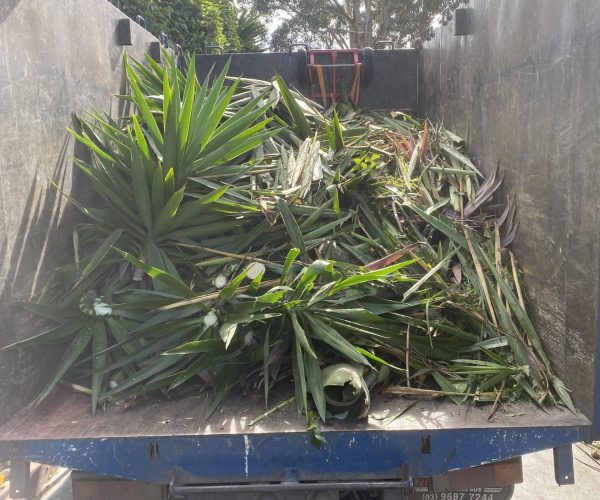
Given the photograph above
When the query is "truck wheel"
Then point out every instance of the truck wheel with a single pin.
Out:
(366, 73)
(509, 491)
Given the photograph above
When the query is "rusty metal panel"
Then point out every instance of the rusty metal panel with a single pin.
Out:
(497, 474)
(95, 487)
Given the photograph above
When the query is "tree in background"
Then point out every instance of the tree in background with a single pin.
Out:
(350, 23)
(251, 30)
(196, 24)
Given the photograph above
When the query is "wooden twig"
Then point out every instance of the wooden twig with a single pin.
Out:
(497, 400)
(481, 277)
(408, 391)
(278, 406)
(516, 278)
(212, 296)
(224, 254)
(407, 354)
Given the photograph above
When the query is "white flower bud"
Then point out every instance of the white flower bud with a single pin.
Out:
(210, 319)
(101, 309)
(255, 269)
(220, 281)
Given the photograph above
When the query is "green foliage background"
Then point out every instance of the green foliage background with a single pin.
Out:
(195, 24)
(349, 23)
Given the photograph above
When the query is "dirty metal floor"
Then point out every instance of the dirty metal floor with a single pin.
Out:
(66, 415)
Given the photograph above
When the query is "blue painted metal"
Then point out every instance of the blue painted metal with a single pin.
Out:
(347, 455)
(564, 472)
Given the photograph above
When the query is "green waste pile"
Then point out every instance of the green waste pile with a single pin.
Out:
(241, 236)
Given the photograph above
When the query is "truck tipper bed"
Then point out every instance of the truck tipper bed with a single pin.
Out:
(516, 78)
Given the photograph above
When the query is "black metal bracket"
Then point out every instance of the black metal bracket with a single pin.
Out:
(563, 465)
(154, 51)
(141, 21)
(124, 31)
(462, 21)
(179, 58)
(164, 40)
(20, 478)
(384, 44)
(294, 45)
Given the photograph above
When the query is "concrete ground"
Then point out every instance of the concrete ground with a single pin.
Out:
(538, 477)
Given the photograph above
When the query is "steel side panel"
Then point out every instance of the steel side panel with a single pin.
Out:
(596, 415)
(394, 84)
(251, 458)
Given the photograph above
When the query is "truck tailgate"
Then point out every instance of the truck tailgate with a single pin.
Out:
(156, 440)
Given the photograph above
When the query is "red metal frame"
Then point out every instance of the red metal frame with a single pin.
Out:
(332, 93)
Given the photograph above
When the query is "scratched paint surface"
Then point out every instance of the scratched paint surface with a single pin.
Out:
(345, 455)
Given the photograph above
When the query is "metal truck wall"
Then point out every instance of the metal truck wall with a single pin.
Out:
(523, 88)
(393, 85)
(56, 58)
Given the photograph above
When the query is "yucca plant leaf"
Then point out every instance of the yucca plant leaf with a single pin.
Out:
(323, 332)
(159, 365)
(189, 94)
(141, 192)
(518, 310)
(563, 393)
(291, 225)
(141, 103)
(197, 346)
(228, 290)
(299, 377)
(237, 146)
(301, 123)
(449, 387)
(308, 275)
(100, 254)
(157, 192)
(367, 277)
(287, 265)
(99, 344)
(443, 263)
(301, 335)
(77, 345)
(368, 234)
(314, 383)
(169, 183)
(140, 139)
(172, 282)
(168, 213)
(54, 334)
(338, 135)
(91, 144)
